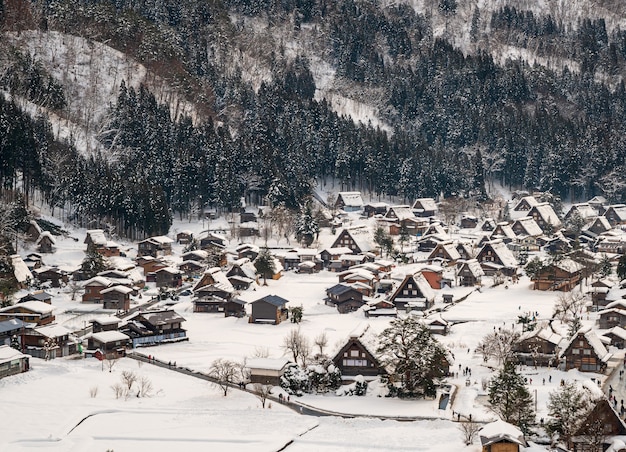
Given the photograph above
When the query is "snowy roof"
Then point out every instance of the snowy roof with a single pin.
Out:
(12, 325)
(38, 307)
(171, 270)
(401, 212)
(20, 269)
(499, 430)
(9, 354)
(546, 212)
(162, 317)
(109, 320)
(569, 265)
(160, 239)
(338, 251)
(594, 340)
(273, 300)
(530, 200)
(617, 331)
(109, 336)
(98, 281)
(267, 363)
(583, 209)
(53, 331)
(473, 266)
(197, 254)
(619, 210)
(530, 226)
(351, 198)
(97, 237)
(47, 235)
(505, 255)
(544, 333)
(425, 204)
(120, 289)
(449, 248)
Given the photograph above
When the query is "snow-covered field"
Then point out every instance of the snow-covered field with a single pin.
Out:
(47, 404)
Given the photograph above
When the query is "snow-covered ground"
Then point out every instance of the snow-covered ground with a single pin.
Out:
(48, 403)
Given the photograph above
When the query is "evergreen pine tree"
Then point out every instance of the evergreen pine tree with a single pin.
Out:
(509, 398)
(264, 264)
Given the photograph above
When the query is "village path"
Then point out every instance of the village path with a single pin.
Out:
(614, 386)
(295, 405)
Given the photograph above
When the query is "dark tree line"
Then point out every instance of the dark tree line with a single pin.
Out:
(459, 121)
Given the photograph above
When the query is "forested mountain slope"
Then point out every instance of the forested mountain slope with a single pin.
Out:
(183, 105)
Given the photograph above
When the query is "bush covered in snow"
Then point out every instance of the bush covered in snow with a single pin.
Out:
(358, 388)
(320, 378)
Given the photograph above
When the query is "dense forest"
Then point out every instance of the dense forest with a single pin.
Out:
(458, 120)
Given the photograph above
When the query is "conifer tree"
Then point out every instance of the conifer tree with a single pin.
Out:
(509, 398)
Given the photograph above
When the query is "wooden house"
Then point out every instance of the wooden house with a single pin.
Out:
(413, 294)
(375, 208)
(344, 297)
(616, 214)
(38, 295)
(116, 297)
(269, 309)
(503, 231)
(355, 358)
(34, 312)
(399, 213)
(12, 362)
(349, 201)
(468, 221)
(598, 225)
(249, 229)
(617, 336)
(212, 240)
(93, 289)
(33, 231)
(110, 323)
(214, 276)
(155, 327)
(353, 239)
(45, 243)
(500, 436)
(546, 218)
(466, 250)
(379, 307)
(155, 246)
(169, 277)
(585, 352)
(469, 273)
(33, 261)
(184, 237)
(192, 268)
(48, 342)
(10, 328)
(425, 207)
(95, 239)
(437, 325)
(267, 371)
(329, 255)
(242, 274)
(525, 204)
(54, 275)
(434, 276)
(598, 203)
(611, 317)
(150, 264)
(582, 210)
(563, 276)
(488, 225)
(495, 257)
(602, 423)
(445, 252)
(539, 347)
(526, 227)
(247, 251)
(112, 344)
(235, 307)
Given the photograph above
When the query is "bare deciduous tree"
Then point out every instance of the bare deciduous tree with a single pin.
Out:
(498, 345)
(321, 341)
(129, 378)
(145, 387)
(118, 390)
(111, 361)
(262, 392)
(470, 430)
(224, 372)
(568, 306)
(298, 345)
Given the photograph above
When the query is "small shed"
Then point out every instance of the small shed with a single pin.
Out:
(12, 361)
(267, 371)
(269, 309)
(500, 436)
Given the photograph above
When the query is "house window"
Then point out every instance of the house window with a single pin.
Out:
(354, 353)
(355, 362)
(575, 351)
(414, 292)
(405, 292)
(586, 352)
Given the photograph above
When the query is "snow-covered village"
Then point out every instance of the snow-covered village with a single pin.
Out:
(366, 326)
(303, 225)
